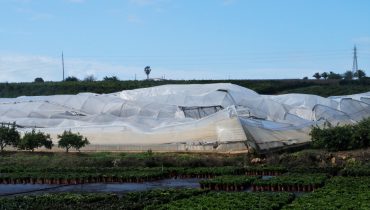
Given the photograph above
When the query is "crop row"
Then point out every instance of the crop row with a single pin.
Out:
(264, 170)
(129, 201)
(81, 178)
(92, 175)
(331, 170)
(338, 193)
(203, 172)
(291, 182)
(73, 169)
(235, 201)
(228, 183)
(198, 172)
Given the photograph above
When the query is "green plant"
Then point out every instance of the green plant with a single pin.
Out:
(39, 80)
(129, 201)
(235, 201)
(8, 136)
(338, 193)
(346, 137)
(228, 182)
(33, 139)
(291, 182)
(72, 140)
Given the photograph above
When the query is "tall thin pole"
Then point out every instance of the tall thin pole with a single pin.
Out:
(355, 66)
(63, 64)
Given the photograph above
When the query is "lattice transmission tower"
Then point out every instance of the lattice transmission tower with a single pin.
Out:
(355, 66)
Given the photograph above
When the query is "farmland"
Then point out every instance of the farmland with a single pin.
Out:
(225, 181)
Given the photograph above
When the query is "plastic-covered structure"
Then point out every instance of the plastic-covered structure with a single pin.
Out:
(210, 117)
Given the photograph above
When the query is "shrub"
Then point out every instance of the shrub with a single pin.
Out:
(347, 137)
(32, 140)
(361, 135)
(72, 140)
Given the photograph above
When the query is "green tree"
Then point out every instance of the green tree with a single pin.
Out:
(71, 79)
(72, 140)
(317, 75)
(333, 75)
(9, 136)
(39, 80)
(360, 74)
(32, 140)
(348, 75)
(89, 78)
(112, 78)
(324, 75)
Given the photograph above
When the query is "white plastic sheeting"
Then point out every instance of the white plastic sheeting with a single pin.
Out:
(210, 117)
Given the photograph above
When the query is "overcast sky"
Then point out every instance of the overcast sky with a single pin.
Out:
(181, 39)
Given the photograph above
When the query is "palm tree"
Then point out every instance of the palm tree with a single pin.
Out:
(324, 75)
(317, 75)
(147, 71)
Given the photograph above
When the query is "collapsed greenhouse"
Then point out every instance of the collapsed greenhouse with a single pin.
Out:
(210, 117)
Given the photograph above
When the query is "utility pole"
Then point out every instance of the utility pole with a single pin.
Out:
(63, 65)
(355, 66)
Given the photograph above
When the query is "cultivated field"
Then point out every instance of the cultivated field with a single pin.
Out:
(308, 179)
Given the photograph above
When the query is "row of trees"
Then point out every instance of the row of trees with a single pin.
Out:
(89, 78)
(9, 136)
(348, 75)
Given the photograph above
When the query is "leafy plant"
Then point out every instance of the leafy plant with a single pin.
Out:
(33, 139)
(228, 183)
(338, 193)
(235, 201)
(9, 136)
(72, 140)
(39, 80)
(129, 201)
(347, 137)
(71, 79)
